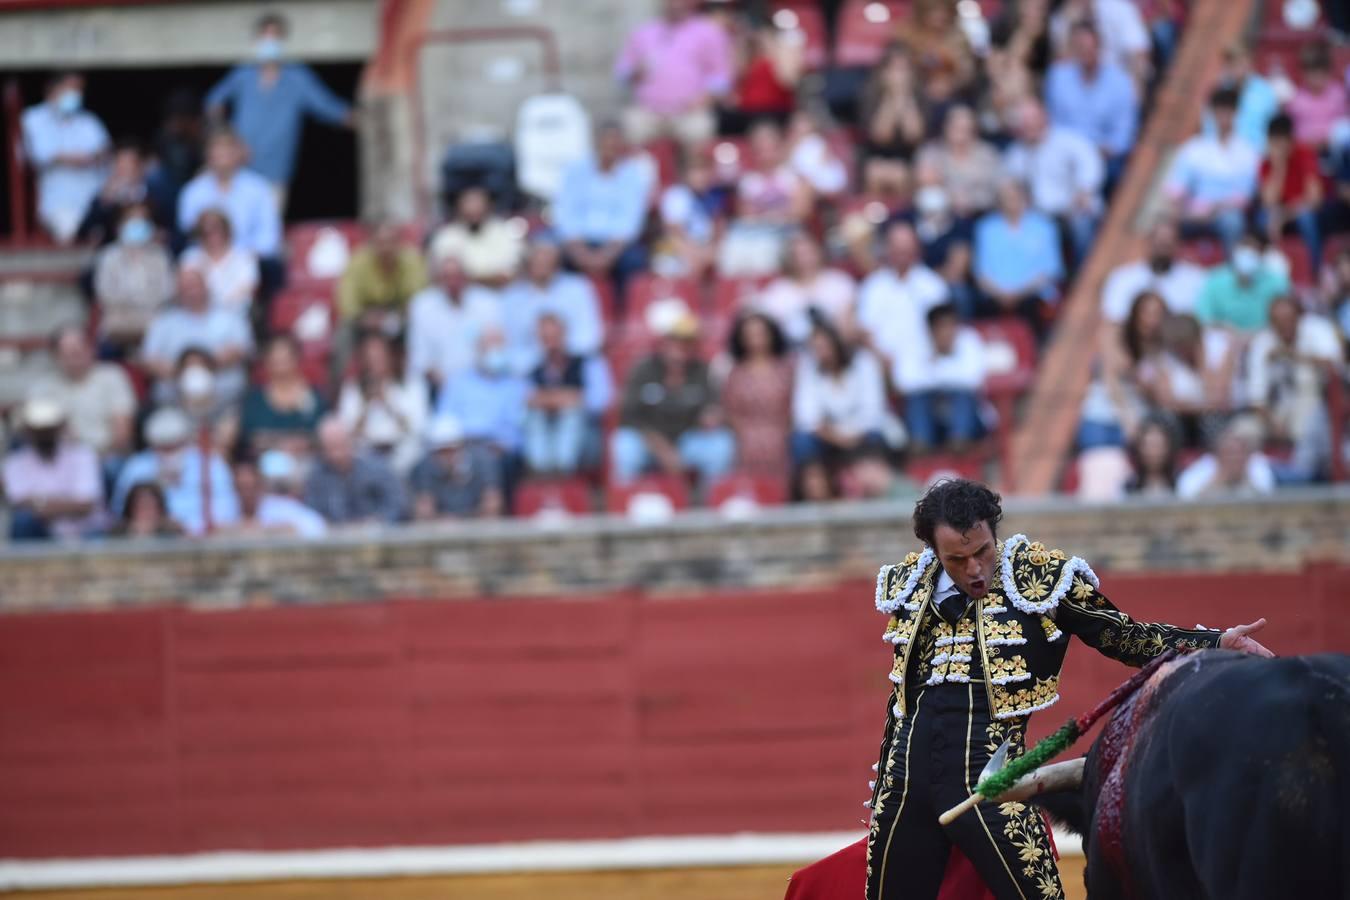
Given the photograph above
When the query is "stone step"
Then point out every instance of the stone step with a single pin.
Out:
(30, 310)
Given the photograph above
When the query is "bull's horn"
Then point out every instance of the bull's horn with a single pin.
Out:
(1062, 776)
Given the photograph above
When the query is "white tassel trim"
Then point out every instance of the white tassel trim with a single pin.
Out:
(889, 605)
(959, 639)
(1009, 679)
(949, 678)
(872, 785)
(1055, 635)
(1004, 642)
(1072, 566)
(994, 610)
(949, 657)
(894, 637)
(867, 804)
(1028, 710)
(897, 679)
(876, 767)
(897, 711)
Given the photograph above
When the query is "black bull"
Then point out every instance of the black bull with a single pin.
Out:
(1227, 777)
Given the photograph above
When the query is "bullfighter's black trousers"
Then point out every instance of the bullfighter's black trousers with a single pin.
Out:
(930, 761)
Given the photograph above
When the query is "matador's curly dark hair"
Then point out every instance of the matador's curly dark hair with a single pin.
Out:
(957, 503)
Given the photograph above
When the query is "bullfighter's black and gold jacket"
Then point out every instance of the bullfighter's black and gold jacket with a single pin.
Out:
(1036, 598)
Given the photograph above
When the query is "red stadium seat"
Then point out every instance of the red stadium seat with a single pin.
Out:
(302, 238)
(306, 309)
(639, 498)
(806, 18)
(731, 295)
(646, 289)
(625, 349)
(551, 496)
(665, 154)
(1010, 349)
(604, 292)
(864, 29)
(746, 487)
(931, 467)
(1300, 262)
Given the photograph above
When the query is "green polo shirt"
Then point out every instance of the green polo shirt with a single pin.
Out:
(1227, 300)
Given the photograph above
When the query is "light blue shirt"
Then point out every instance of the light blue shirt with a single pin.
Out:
(1104, 110)
(1013, 258)
(1208, 171)
(249, 203)
(1257, 105)
(269, 118)
(287, 512)
(597, 206)
(63, 192)
(489, 409)
(568, 296)
(183, 494)
(214, 330)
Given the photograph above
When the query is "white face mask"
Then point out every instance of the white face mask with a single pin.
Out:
(69, 101)
(196, 382)
(1246, 261)
(931, 200)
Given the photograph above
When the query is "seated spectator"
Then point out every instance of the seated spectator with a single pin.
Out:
(53, 484)
(809, 155)
(351, 488)
(969, 168)
(488, 402)
(766, 83)
(806, 284)
(1153, 459)
(944, 236)
(455, 480)
(1257, 101)
(935, 40)
(569, 393)
(231, 271)
(444, 322)
(1063, 171)
(942, 383)
(208, 401)
(690, 213)
(1192, 381)
(757, 394)
(1018, 264)
(677, 67)
(147, 514)
(178, 145)
(771, 200)
(1132, 358)
(380, 280)
(893, 124)
(1238, 294)
(1177, 281)
(1124, 35)
(893, 300)
(133, 279)
(669, 416)
(1291, 190)
(263, 513)
(98, 397)
(126, 184)
(545, 289)
(601, 207)
(1094, 98)
(284, 410)
(1235, 467)
(247, 198)
(385, 415)
(1320, 101)
(1289, 364)
(174, 461)
(489, 246)
(1214, 176)
(193, 322)
(68, 148)
(1336, 293)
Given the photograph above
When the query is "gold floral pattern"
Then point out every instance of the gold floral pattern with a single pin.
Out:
(1003, 632)
(1037, 555)
(1025, 701)
(1025, 828)
(1003, 671)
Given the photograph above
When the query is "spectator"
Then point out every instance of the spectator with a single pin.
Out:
(669, 417)
(766, 84)
(53, 484)
(193, 322)
(601, 208)
(1018, 265)
(147, 514)
(488, 246)
(944, 236)
(380, 280)
(126, 184)
(757, 395)
(1238, 295)
(677, 66)
(893, 123)
(1289, 364)
(488, 401)
(934, 39)
(1257, 101)
(67, 146)
(270, 99)
(231, 271)
(544, 289)
(806, 284)
(386, 416)
(893, 300)
(968, 167)
(351, 488)
(177, 146)
(942, 381)
(455, 480)
(569, 394)
(283, 412)
(1291, 190)
(209, 402)
(1336, 292)
(444, 321)
(133, 279)
(97, 396)
(1214, 176)
(1320, 101)
(248, 199)
(1235, 467)
(1153, 460)
(1177, 281)
(690, 213)
(809, 155)
(771, 200)
(1063, 171)
(1125, 38)
(263, 513)
(186, 475)
(838, 406)
(1192, 381)
(1093, 97)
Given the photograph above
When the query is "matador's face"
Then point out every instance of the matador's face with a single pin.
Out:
(969, 557)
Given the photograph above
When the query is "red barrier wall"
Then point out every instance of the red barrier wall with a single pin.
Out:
(176, 730)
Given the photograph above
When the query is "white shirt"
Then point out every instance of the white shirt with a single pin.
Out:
(1178, 286)
(277, 511)
(1058, 169)
(1120, 25)
(248, 202)
(892, 307)
(854, 403)
(811, 158)
(786, 301)
(64, 192)
(231, 281)
(381, 427)
(1316, 337)
(1260, 477)
(442, 336)
(1207, 170)
(923, 369)
(492, 251)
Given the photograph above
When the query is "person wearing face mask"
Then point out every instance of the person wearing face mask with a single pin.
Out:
(127, 183)
(196, 484)
(1161, 272)
(946, 238)
(68, 148)
(489, 402)
(270, 97)
(133, 278)
(193, 322)
(1238, 295)
(53, 483)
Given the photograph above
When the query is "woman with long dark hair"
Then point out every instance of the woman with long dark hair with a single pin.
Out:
(757, 396)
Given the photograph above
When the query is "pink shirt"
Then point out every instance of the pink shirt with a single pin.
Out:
(73, 474)
(1314, 114)
(677, 63)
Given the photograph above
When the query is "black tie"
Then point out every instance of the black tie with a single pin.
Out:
(952, 608)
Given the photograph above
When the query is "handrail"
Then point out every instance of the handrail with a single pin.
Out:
(533, 33)
(20, 226)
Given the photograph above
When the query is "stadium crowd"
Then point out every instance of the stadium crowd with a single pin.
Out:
(870, 234)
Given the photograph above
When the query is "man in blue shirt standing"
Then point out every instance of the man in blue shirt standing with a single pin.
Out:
(270, 98)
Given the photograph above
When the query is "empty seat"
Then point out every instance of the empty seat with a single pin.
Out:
(864, 29)
(805, 19)
(743, 491)
(650, 498)
(1010, 353)
(552, 497)
(320, 250)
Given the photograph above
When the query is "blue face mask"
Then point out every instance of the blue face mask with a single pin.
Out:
(494, 361)
(70, 101)
(269, 49)
(136, 231)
